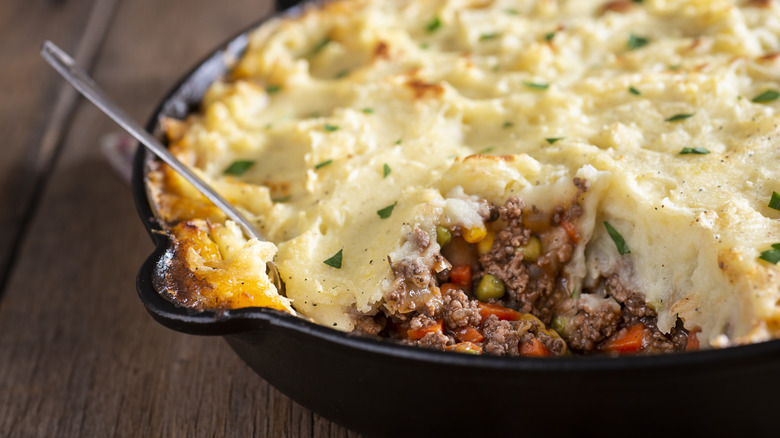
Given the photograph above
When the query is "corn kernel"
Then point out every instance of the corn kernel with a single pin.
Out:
(484, 245)
(474, 235)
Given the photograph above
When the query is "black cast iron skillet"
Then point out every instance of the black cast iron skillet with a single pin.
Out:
(381, 388)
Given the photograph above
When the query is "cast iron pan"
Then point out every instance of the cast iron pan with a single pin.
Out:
(381, 388)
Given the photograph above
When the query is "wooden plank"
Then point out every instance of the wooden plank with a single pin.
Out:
(79, 356)
(36, 106)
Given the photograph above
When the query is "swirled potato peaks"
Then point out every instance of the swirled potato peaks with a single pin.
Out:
(502, 177)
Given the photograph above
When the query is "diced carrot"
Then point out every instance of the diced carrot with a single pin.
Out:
(447, 287)
(417, 334)
(629, 341)
(465, 347)
(461, 276)
(570, 229)
(534, 348)
(469, 334)
(503, 313)
(693, 342)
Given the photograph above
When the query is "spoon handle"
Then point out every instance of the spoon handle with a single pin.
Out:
(81, 81)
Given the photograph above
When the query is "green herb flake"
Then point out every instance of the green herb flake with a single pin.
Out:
(675, 67)
(698, 151)
(620, 243)
(489, 36)
(771, 255)
(368, 111)
(774, 202)
(634, 91)
(342, 74)
(511, 11)
(537, 85)
(552, 140)
(323, 164)
(487, 150)
(321, 45)
(679, 117)
(638, 1)
(508, 125)
(281, 200)
(272, 89)
(636, 42)
(335, 261)
(331, 128)
(387, 211)
(386, 170)
(766, 96)
(433, 25)
(238, 167)
(425, 46)
(549, 36)
(399, 141)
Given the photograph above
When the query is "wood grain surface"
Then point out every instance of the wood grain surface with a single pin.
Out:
(79, 355)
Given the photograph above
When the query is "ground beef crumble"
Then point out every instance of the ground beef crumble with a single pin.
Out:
(534, 287)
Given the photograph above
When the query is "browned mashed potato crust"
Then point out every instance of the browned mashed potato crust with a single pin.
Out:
(502, 177)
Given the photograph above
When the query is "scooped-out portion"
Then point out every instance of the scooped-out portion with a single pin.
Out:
(518, 178)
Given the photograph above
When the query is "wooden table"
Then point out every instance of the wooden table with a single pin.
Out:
(79, 355)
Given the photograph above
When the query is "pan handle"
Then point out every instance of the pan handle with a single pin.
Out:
(193, 321)
(282, 5)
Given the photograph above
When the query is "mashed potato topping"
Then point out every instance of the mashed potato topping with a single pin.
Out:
(347, 131)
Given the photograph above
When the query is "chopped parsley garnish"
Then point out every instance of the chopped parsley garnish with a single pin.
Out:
(238, 167)
(368, 111)
(766, 96)
(508, 125)
(511, 11)
(323, 164)
(699, 151)
(342, 74)
(774, 202)
(399, 141)
(321, 45)
(335, 261)
(387, 211)
(537, 85)
(331, 128)
(679, 117)
(487, 150)
(675, 67)
(552, 140)
(489, 36)
(549, 36)
(636, 41)
(271, 89)
(281, 200)
(620, 243)
(433, 25)
(771, 255)
(634, 91)
(425, 46)
(386, 170)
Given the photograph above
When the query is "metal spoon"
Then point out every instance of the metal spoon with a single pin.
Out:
(82, 82)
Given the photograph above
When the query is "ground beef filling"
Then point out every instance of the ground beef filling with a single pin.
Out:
(526, 309)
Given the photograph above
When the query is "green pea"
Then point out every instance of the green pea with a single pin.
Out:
(489, 287)
(560, 324)
(443, 236)
(532, 250)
